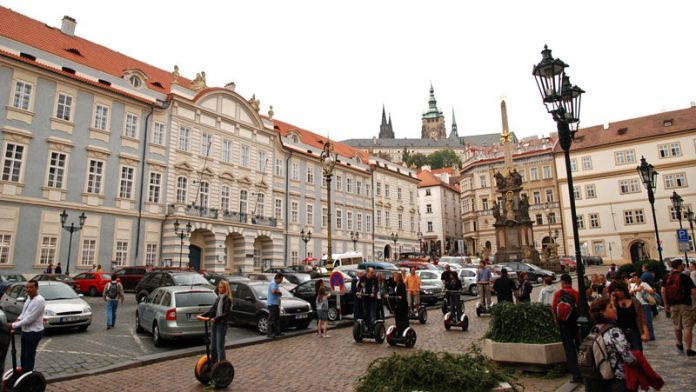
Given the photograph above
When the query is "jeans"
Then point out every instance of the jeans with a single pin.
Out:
(454, 305)
(370, 307)
(30, 341)
(357, 309)
(273, 320)
(569, 337)
(111, 307)
(380, 309)
(218, 342)
(647, 312)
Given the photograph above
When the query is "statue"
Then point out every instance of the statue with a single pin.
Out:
(198, 83)
(499, 180)
(175, 74)
(255, 103)
(509, 209)
(524, 207)
(516, 178)
(496, 213)
(270, 112)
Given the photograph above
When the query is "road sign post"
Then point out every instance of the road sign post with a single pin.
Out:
(683, 241)
(336, 281)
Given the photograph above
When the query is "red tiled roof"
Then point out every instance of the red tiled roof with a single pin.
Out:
(428, 179)
(317, 141)
(39, 35)
(633, 129)
(447, 170)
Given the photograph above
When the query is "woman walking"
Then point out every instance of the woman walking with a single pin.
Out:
(219, 315)
(629, 315)
(322, 311)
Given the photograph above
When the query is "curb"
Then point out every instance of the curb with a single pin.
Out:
(569, 387)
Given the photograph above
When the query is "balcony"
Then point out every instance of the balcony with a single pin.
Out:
(236, 217)
(264, 221)
(225, 215)
(203, 212)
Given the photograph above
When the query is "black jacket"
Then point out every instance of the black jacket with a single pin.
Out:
(226, 311)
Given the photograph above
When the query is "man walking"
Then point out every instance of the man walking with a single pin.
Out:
(504, 287)
(113, 292)
(565, 313)
(679, 294)
(483, 283)
(30, 321)
(273, 296)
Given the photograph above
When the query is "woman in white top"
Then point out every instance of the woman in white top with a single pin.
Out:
(642, 291)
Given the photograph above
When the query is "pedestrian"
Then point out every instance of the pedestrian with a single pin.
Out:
(503, 287)
(322, 300)
(59, 269)
(94, 268)
(99, 268)
(524, 289)
(401, 303)
(603, 312)
(483, 283)
(354, 290)
(567, 324)
(612, 273)
(315, 273)
(381, 292)
(30, 321)
(679, 294)
(692, 268)
(49, 269)
(219, 315)
(413, 283)
(647, 276)
(644, 294)
(113, 292)
(629, 315)
(273, 301)
(547, 292)
(596, 288)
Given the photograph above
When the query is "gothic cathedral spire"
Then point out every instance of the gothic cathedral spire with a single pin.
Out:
(385, 129)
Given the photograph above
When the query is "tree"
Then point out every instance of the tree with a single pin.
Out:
(418, 160)
(405, 156)
(444, 158)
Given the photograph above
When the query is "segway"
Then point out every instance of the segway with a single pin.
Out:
(361, 330)
(220, 373)
(420, 314)
(407, 338)
(16, 380)
(483, 310)
(450, 320)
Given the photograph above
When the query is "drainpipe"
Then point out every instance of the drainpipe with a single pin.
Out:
(374, 171)
(287, 198)
(166, 214)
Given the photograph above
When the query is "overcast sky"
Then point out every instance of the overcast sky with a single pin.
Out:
(329, 66)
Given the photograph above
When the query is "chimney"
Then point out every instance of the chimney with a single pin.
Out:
(68, 26)
(693, 104)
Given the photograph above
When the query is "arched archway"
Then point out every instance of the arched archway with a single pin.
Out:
(637, 251)
(198, 248)
(263, 253)
(234, 253)
(387, 252)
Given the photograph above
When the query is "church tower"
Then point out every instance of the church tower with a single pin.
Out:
(454, 134)
(433, 120)
(385, 129)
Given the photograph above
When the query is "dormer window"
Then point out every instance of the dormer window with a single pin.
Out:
(135, 81)
(357, 159)
(667, 123)
(295, 139)
(135, 77)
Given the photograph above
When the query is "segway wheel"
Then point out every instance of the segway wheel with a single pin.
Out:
(446, 321)
(390, 336)
(222, 374)
(32, 382)
(422, 315)
(465, 322)
(410, 338)
(357, 332)
(201, 371)
(380, 333)
(478, 311)
(444, 307)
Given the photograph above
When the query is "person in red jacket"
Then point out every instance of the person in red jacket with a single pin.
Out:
(568, 326)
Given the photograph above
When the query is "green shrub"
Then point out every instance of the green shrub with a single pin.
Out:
(435, 372)
(653, 265)
(522, 323)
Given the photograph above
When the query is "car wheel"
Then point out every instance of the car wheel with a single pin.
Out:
(262, 324)
(473, 290)
(140, 297)
(540, 279)
(138, 328)
(156, 337)
(92, 292)
(333, 313)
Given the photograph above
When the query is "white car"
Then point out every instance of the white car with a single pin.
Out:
(432, 289)
(468, 277)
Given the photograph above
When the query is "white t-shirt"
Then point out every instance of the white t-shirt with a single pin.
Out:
(641, 295)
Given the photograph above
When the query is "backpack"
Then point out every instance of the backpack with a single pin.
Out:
(565, 307)
(112, 292)
(673, 288)
(593, 357)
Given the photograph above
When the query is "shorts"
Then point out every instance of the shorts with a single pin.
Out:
(323, 314)
(683, 316)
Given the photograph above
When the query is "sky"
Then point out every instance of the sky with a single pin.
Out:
(329, 66)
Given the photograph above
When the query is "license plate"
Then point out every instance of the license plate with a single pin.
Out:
(301, 316)
(67, 319)
(191, 316)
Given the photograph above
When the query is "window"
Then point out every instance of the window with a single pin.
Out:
(539, 219)
(184, 138)
(428, 208)
(400, 221)
(243, 201)
(410, 197)
(48, 250)
(552, 218)
(56, 170)
(279, 167)
(378, 219)
(632, 217)
(310, 215)
(154, 187)
(484, 204)
(339, 183)
(398, 194)
(676, 180)
(131, 128)
(358, 187)
(244, 156)
(278, 209)
(158, 133)
(260, 203)
(349, 185)
(549, 195)
(358, 222)
(625, 157)
(135, 81)
(204, 193)
(225, 198)
(430, 227)
(629, 186)
(413, 223)
(227, 151)
(12, 165)
(294, 212)
(594, 221)
(101, 117)
(534, 174)
(5, 243)
(263, 158)
(581, 221)
(349, 220)
(121, 253)
(586, 163)
(181, 188)
(523, 175)
(368, 223)
(590, 191)
(310, 174)
(386, 190)
(675, 149)
(89, 248)
(484, 182)
(295, 171)
(598, 248)
(378, 189)
(367, 190)
(669, 150)
(573, 165)
(536, 197)
(577, 192)
(22, 95)
(294, 254)
(546, 172)
(150, 254)
(64, 107)
(126, 185)
(206, 143)
(324, 216)
(339, 219)
(387, 222)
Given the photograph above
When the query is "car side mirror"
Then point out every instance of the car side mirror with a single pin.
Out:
(21, 299)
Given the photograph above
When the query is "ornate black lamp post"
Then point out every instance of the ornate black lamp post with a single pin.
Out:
(71, 229)
(562, 100)
(328, 159)
(648, 176)
(678, 204)
(354, 236)
(690, 217)
(184, 232)
(306, 237)
(420, 243)
(394, 237)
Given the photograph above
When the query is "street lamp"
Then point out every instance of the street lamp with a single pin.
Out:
(648, 176)
(306, 237)
(354, 235)
(692, 220)
(562, 100)
(394, 237)
(547, 211)
(328, 159)
(678, 204)
(420, 243)
(181, 234)
(71, 229)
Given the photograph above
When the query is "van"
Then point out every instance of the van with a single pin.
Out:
(461, 260)
(348, 258)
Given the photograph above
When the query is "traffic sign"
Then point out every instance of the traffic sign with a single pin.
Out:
(684, 247)
(682, 235)
(336, 280)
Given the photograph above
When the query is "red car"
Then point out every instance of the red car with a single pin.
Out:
(92, 283)
(568, 263)
(419, 265)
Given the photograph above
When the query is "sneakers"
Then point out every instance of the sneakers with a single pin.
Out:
(680, 347)
(328, 336)
(690, 353)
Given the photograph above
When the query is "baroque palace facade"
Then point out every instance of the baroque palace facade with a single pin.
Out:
(139, 149)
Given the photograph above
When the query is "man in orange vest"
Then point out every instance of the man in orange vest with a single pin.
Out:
(413, 283)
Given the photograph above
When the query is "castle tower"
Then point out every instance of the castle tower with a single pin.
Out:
(385, 129)
(433, 120)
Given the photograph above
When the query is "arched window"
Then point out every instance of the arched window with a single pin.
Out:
(243, 201)
(181, 188)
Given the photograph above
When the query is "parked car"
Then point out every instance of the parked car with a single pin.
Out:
(462, 260)
(668, 261)
(165, 278)
(170, 312)
(7, 279)
(289, 274)
(213, 277)
(420, 265)
(498, 267)
(275, 270)
(59, 278)
(92, 283)
(468, 278)
(379, 266)
(568, 263)
(268, 277)
(535, 273)
(592, 260)
(249, 306)
(306, 291)
(130, 276)
(432, 289)
(64, 307)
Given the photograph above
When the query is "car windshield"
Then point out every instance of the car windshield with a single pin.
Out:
(194, 298)
(261, 291)
(532, 266)
(192, 279)
(303, 277)
(106, 276)
(428, 275)
(56, 292)
(15, 278)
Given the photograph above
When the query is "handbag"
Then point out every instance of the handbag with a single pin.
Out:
(650, 299)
